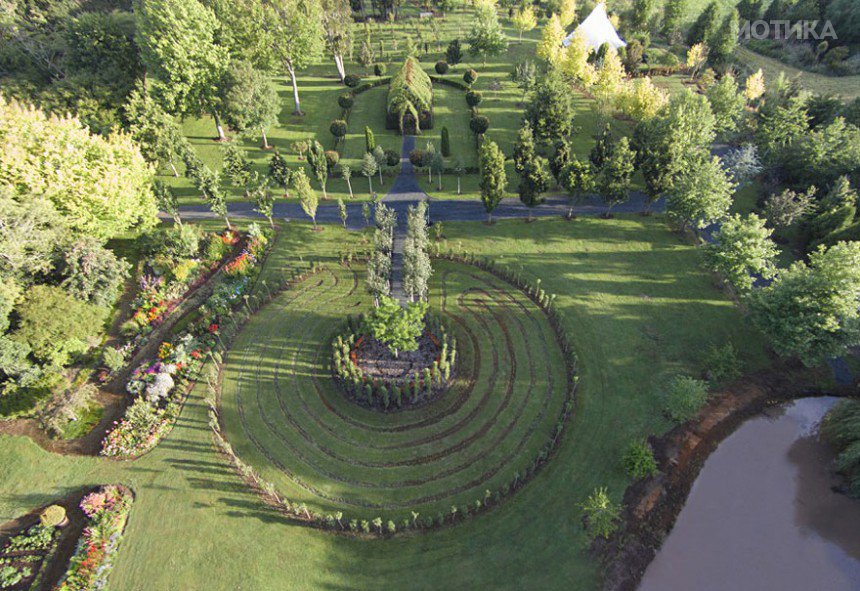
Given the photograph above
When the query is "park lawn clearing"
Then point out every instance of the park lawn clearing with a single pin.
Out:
(637, 307)
(847, 87)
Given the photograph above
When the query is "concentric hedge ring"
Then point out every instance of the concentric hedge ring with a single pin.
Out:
(283, 414)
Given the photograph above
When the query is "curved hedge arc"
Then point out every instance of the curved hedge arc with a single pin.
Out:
(317, 455)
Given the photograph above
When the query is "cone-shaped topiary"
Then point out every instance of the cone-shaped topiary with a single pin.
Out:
(410, 97)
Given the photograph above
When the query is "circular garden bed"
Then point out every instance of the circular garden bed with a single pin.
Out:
(375, 377)
(349, 467)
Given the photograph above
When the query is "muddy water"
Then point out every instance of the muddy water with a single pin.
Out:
(762, 515)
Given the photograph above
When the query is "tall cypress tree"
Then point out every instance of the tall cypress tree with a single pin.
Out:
(493, 178)
(706, 25)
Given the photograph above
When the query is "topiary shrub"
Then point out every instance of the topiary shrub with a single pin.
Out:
(638, 460)
(345, 101)
(446, 143)
(338, 128)
(479, 124)
(685, 397)
(331, 158)
(380, 69)
(441, 67)
(392, 157)
(53, 516)
(352, 80)
(469, 76)
(474, 98)
(410, 99)
(416, 157)
(454, 53)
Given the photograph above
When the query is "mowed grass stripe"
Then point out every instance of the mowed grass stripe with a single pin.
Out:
(293, 417)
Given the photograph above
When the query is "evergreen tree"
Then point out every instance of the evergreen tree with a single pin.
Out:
(706, 25)
(493, 179)
(643, 11)
(446, 143)
(577, 178)
(308, 198)
(725, 39)
(549, 47)
(279, 171)
(602, 148)
(741, 250)
(701, 196)
(560, 158)
(614, 177)
(319, 165)
(673, 19)
(369, 140)
(551, 109)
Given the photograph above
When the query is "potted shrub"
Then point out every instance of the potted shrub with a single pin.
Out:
(54, 516)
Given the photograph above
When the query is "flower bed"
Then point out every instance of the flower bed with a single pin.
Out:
(107, 510)
(372, 376)
(159, 385)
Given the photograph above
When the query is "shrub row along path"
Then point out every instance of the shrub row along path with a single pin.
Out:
(406, 191)
(285, 415)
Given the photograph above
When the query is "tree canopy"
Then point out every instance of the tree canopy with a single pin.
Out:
(101, 185)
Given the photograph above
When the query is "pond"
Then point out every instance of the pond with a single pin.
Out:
(762, 514)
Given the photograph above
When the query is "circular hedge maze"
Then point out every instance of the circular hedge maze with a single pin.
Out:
(475, 444)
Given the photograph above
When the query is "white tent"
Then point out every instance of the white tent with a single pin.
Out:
(597, 30)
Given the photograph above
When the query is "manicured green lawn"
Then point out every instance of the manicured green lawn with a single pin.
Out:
(639, 309)
(285, 415)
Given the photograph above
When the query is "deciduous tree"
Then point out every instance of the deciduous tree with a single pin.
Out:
(742, 250)
(812, 310)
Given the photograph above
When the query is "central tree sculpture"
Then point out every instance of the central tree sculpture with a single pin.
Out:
(398, 355)
(410, 99)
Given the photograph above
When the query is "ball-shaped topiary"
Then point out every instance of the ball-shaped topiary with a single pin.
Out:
(53, 516)
(392, 157)
(331, 158)
(338, 128)
(441, 67)
(479, 124)
(345, 101)
(416, 157)
(380, 69)
(352, 80)
(474, 98)
(469, 76)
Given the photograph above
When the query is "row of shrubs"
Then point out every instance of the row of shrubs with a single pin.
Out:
(159, 386)
(337, 521)
(385, 394)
